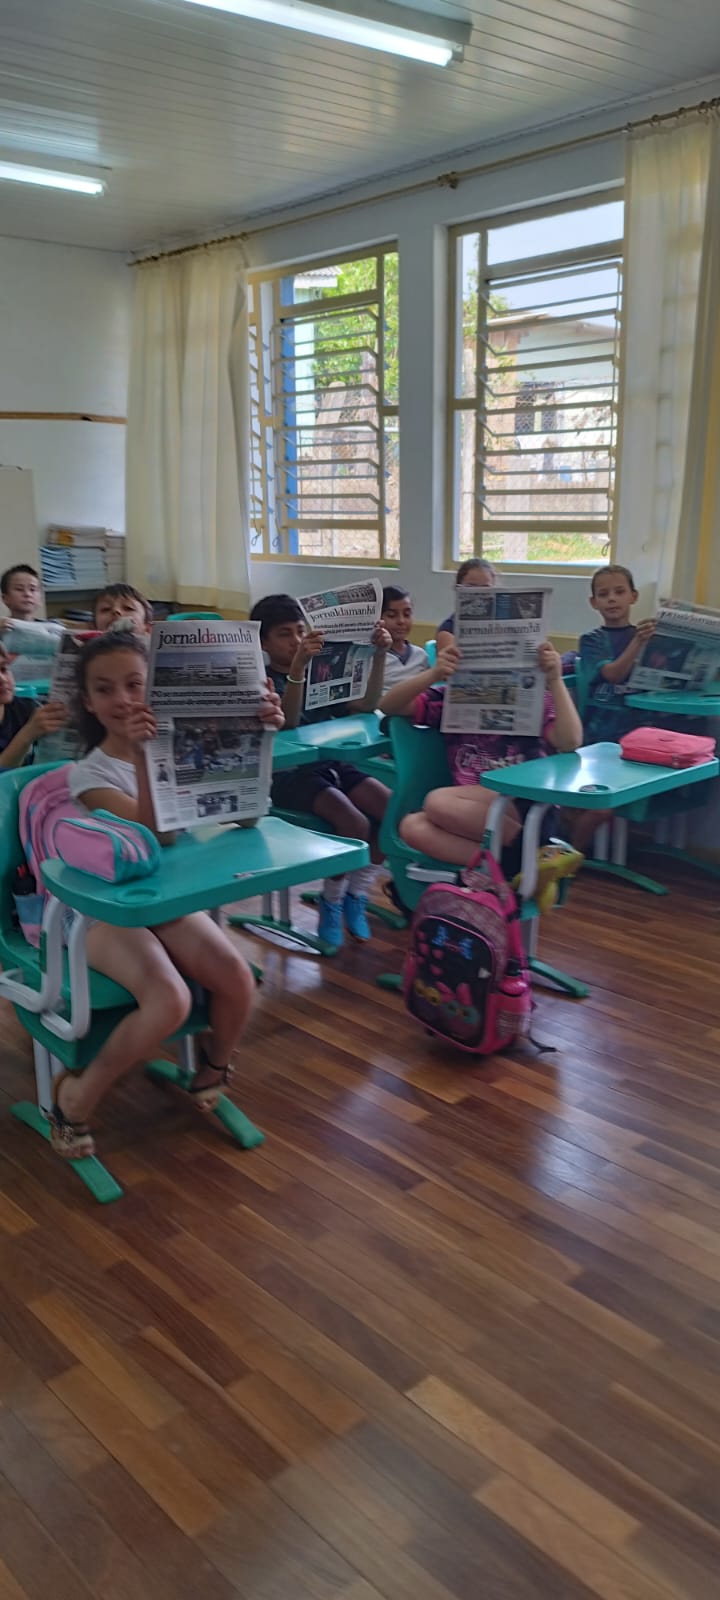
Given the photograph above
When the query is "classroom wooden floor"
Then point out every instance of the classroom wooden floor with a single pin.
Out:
(453, 1333)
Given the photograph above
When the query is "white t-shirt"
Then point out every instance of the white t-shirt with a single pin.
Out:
(98, 771)
(413, 660)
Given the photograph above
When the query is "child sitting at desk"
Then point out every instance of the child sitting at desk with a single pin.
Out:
(403, 659)
(476, 574)
(352, 804)
(451, 825)
(22, 722)
(608, 655)
(153, 964)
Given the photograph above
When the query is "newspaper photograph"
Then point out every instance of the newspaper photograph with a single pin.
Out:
(347, 617)
(498, 686)
(683, 653)
(212, 758)
(211, 666)
(338, 674)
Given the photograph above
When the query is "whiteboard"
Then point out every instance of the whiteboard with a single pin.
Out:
(18, 528)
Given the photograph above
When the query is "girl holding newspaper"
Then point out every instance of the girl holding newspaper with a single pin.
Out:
(452, 823)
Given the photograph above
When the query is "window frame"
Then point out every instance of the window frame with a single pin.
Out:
(457, 404)
(266, 282)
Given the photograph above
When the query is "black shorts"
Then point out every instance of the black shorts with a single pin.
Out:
(299, 789)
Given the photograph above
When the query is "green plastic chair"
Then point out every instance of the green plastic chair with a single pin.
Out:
(421, 765)
(192, 616)
(68, 1009)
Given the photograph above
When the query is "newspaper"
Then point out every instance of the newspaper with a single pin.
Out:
(498, 686)
(212, 759)
(683, 653)
(347, 617)
(66, 744)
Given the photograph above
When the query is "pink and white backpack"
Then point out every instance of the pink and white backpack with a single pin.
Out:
(466, 976)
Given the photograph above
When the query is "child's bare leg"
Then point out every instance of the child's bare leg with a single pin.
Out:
(582, 826)
(135, 959)
(453, 823)
(465, 810)
(202, 951)
(338, 810)
(370, 798)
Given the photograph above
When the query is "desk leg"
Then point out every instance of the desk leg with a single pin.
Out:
(281, 925)
(530, 927)
(616, 836)
(180, 1077)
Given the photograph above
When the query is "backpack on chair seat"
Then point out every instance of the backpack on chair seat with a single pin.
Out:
(465, 976)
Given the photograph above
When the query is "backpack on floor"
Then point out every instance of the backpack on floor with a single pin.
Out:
(465, 975)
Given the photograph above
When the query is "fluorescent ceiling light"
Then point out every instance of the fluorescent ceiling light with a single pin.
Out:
(394, 28)
(11, 172)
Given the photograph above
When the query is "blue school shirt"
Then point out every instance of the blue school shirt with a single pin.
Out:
(605, 714)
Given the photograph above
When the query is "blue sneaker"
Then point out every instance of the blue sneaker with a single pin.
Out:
(356, 922)
(330, 926)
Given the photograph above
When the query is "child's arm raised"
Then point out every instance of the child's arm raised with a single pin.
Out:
(293, 699)
(370, 701)
(618, 670)
(565, 733)
(399, 700)
(45, 719)
(141, 727)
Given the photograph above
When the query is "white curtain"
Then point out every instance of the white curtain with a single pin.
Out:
(666, 191)
(697, 566)
(188, 430)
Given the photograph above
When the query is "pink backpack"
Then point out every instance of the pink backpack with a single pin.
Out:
(465, 975)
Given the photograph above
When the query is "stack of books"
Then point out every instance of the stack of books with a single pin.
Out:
(82, 558)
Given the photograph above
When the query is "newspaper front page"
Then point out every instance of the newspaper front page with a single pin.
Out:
(683, 653)
(498, 686)
(347, 617)
(212, 758)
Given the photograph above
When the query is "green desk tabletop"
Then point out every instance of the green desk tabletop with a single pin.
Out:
(594, 778)
(676, 703)
(336, 734)
(211, 867)
(289, 751)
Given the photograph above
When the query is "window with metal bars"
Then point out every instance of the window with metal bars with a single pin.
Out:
(533, 385)
(324, 410)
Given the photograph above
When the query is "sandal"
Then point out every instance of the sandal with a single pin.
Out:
(72, 1141)
(207, 1095)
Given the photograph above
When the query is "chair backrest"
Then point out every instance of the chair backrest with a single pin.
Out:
(190, 616)
(12, 854)
(430, 648)
(421, 764)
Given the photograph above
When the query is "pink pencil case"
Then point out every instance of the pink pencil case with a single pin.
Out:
(661, 747)
(106, 846)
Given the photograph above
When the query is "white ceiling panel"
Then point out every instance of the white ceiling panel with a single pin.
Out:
(201, 116)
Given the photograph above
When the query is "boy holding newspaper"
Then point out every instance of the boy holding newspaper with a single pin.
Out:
(326, 656)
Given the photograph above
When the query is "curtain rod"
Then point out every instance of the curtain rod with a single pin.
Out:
(446, 180)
